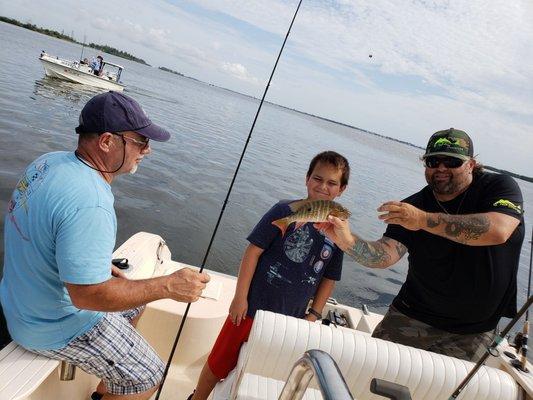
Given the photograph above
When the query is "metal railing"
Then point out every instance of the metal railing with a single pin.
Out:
(318, 364)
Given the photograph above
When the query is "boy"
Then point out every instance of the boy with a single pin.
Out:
(280, 273)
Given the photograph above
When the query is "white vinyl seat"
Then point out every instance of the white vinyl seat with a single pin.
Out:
(276, 342)
(22, 371)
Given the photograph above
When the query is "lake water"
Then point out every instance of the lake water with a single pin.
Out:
(179, 189)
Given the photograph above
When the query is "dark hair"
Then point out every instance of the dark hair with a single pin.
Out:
(478, 169)
(332, 158)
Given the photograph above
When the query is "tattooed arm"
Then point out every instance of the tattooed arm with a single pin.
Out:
(381, 253)
(483, 229)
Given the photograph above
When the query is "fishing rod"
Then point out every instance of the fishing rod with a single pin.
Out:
(167, 367)
(491, 350)
(521, 364)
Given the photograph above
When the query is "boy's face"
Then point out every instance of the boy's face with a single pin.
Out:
(324, 183)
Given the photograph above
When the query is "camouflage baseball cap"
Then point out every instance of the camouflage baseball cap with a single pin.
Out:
(450, 142)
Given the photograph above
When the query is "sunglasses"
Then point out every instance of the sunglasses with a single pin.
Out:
(143, 144)
(449, 162)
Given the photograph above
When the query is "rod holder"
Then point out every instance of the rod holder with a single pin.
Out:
(67, 372)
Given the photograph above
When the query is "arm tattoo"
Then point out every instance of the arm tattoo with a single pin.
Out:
(401, 249)
(370, 254)
(460, 228)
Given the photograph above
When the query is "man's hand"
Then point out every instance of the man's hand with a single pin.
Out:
(310, 317)
(117, 272)
(338, 231)
(186, 285)
(403, 214)
(238, 309)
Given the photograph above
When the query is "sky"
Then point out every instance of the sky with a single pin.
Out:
(400, 68)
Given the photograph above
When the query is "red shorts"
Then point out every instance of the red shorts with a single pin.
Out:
(225, 353)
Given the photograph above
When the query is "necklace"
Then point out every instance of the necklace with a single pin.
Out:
(458, 208)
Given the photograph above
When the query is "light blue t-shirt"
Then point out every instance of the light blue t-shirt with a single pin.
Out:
(60, 227)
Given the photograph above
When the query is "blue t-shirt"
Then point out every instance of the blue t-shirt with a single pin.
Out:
(60, 227)
(291, 267)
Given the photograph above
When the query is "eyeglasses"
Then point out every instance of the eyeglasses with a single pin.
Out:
(449, 162)
(143, 144)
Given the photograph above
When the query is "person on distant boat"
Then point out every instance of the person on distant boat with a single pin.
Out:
(60, 293)
(463, 232)
(281, 273)
(96, 65)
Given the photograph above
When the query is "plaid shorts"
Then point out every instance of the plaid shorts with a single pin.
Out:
(114, 351)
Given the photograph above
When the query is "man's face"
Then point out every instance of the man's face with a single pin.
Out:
(446, 180)
(324, 183)
(136, 147)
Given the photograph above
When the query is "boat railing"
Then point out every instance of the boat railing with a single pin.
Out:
(318, 364)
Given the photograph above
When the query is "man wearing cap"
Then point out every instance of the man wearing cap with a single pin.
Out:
(463, 232)
(60, 294)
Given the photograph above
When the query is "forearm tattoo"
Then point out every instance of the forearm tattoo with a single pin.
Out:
(370, 254)
(460, 228)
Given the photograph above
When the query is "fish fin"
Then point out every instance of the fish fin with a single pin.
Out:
(282, 224)
(299, 225)
(296, 205)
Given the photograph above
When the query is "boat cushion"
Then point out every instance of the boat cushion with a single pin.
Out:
(276, 342)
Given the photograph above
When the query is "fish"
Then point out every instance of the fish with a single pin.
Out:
(311, 211)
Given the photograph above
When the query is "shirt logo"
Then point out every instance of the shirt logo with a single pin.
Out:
(508, 204)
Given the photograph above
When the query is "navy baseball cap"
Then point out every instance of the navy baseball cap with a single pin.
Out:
(115, 112)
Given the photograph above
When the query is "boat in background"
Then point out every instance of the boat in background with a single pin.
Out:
(275, 345)
(79, 72)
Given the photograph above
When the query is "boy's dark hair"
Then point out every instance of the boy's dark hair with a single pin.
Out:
(332, 158)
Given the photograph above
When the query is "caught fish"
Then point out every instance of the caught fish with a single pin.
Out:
(311, 211)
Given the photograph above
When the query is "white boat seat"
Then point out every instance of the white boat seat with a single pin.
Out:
(276, 342)
(21, 371)
(255, 387)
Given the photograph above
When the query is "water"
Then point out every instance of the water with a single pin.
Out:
(179, 189)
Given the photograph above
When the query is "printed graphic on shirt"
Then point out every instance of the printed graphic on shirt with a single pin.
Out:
(309, 280)
(508, 204)
(318, 266)
(275, 275)
(25, 187)
(326, 252)
(298, 244)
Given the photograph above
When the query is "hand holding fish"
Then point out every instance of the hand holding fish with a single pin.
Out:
(403, 214)
(338, 230)
(238, 309)
(186, 285)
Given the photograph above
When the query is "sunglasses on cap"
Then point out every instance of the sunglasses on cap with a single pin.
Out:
(449, 162)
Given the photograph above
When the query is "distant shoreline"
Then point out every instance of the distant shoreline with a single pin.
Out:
(122, 54)
(102, 47)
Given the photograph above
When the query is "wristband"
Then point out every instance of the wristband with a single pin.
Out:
(315, 313)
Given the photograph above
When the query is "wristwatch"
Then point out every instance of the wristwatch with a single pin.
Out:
(315, 313)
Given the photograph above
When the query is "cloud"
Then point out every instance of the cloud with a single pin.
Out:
(239, 71)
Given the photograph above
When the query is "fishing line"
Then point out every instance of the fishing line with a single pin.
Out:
(167, 367)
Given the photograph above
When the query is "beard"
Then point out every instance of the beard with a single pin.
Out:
(134, 169)
(443, 187)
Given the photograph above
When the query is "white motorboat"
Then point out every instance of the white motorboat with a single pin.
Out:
(78, 72)
(276, 343)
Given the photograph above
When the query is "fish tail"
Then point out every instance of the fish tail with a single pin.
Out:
(282, 224)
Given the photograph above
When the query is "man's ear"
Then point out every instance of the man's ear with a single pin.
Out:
(105, 142)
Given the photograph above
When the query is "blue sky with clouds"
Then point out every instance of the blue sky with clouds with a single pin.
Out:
(434, 64)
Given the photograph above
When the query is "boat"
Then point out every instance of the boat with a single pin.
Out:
(272, 364)
(79, 72)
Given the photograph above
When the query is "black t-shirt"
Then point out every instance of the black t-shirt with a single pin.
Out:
(455, 287)
(290, 268)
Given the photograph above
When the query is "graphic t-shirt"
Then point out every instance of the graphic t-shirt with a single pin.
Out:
(291, 267)
(60, 227)
(455, 287)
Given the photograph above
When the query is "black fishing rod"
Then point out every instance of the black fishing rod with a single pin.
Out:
(226, 201)
(525, 332)
(491, 350)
